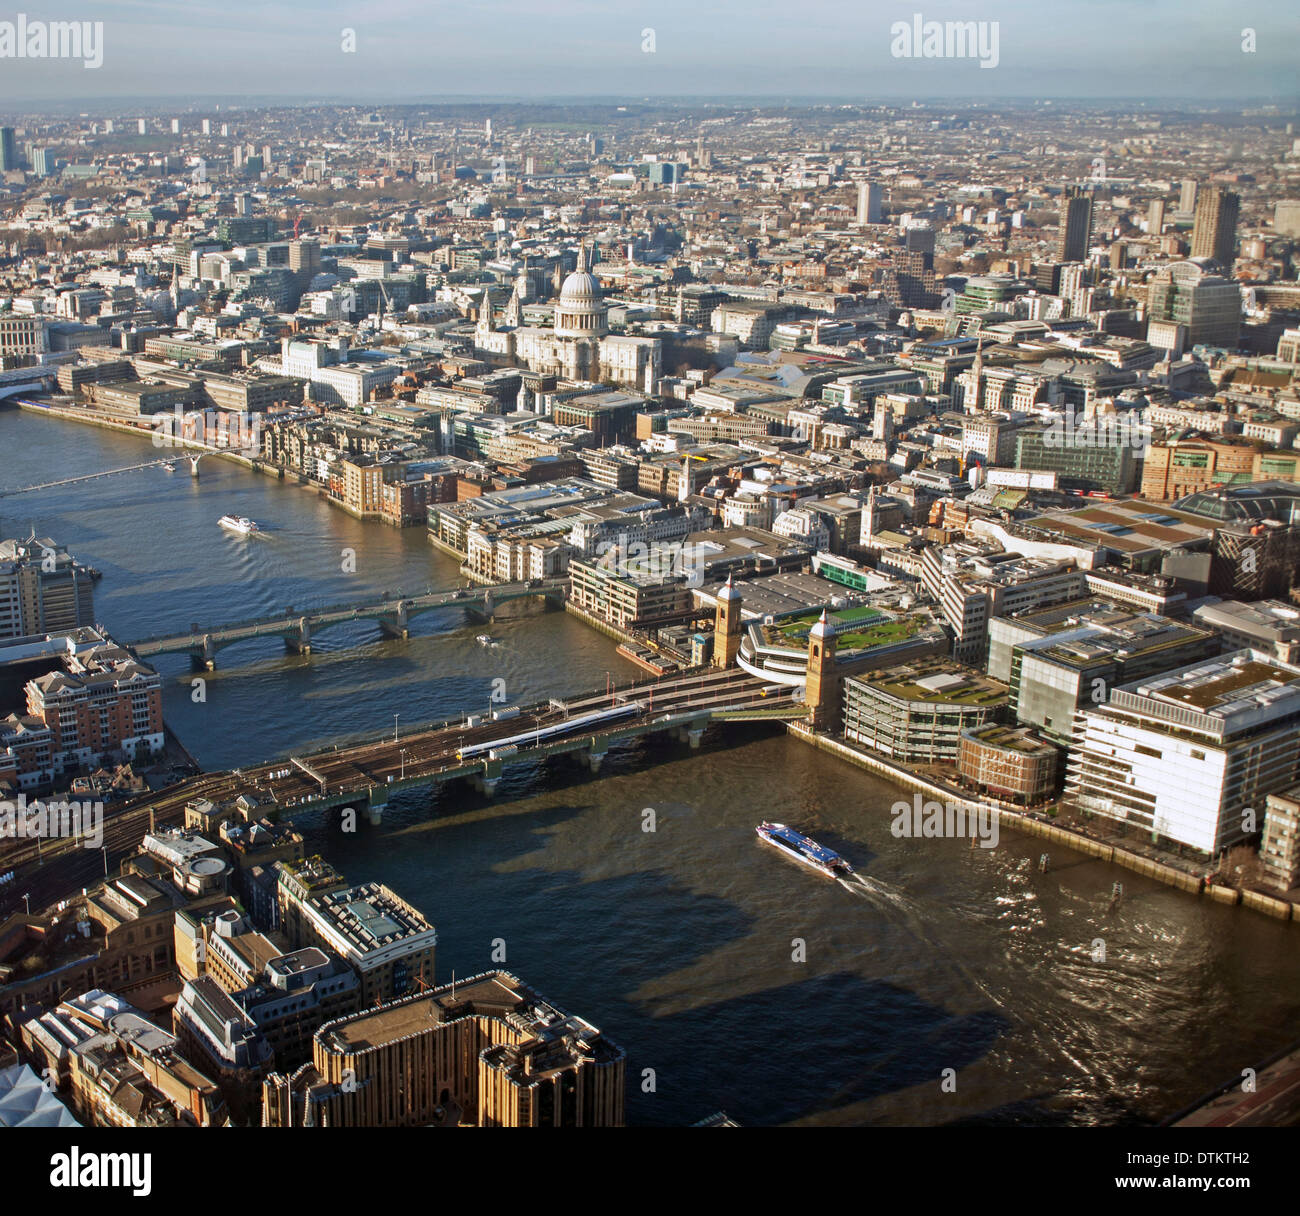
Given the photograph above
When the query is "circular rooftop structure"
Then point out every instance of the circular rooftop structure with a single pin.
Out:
(1245, 504)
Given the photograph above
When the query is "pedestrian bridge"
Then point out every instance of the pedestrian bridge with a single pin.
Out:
(392, 613)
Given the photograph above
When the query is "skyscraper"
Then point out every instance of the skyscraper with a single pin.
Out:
(1076, 225)
(869, 199)
(8, 149)
(1156, 217)
(1187, 196)
(1214, 234)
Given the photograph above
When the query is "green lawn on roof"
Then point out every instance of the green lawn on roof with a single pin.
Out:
(875, 629)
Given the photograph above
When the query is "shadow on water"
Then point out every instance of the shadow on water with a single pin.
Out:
(599, 946)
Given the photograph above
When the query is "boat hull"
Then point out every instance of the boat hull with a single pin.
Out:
(240, 527)
(836, 868)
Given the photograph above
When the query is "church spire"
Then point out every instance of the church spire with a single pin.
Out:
(514, 311)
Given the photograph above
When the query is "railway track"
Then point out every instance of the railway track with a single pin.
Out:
(59, 867)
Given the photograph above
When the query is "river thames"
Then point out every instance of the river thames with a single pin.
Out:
(735, 979)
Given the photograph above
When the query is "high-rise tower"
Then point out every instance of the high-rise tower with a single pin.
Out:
(1076, 225)
(1214, 234)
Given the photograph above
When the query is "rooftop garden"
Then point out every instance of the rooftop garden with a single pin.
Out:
(855, 628)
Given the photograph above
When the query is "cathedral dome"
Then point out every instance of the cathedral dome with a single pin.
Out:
(581, 290)
(580, 311)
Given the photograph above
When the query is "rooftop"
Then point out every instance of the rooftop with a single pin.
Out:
(937, 681)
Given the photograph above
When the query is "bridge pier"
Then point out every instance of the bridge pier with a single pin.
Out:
(301, 643)
(590, 758)
(375, 813)
(194, 465)
(394, 624)
(204, 656)
(486, 782)
(694, 736)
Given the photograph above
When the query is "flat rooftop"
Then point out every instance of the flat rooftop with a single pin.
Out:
(1224, 688)
(1126, 526)
(937, 682)
(494, 996)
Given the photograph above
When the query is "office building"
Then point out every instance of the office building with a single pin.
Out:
(973, 583)
(1270, 625)
(870, 196)
(215, 1032)
(43, 589)
(8, 150)
(119, 1069)
(916, 713)
(382, 938)
(1286, 217)
(1110, 467)
(1066, 658)
(608, 590)
(1076, 225)
(1214, 234)
(1008, 762)
(23, 339)
(1192, 295)
(1279, 849)
(486, 1052)
(92, 699)
(1181, 756)
(1187, 196)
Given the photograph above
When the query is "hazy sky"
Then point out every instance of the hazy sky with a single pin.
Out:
(841, 48)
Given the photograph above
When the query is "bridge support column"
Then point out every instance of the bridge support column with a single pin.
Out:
(394, 624)
(486, 781)
(204, 656)
(194, 465)
(593, 760)
(375, 813)
(302, 643)
(694, 736)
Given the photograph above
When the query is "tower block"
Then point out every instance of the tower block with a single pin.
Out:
(726, 628)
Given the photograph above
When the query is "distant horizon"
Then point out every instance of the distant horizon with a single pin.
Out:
(828, 49)
(1285, 106)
